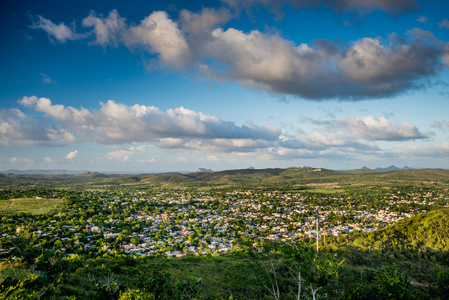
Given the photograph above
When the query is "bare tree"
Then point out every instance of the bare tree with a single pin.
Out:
(271, 272)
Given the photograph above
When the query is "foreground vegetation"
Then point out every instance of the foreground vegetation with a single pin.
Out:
(376, 240)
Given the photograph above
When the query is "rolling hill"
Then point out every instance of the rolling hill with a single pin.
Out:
(273, 178)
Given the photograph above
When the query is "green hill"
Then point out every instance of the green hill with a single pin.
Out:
(248, 178)
(424, 231)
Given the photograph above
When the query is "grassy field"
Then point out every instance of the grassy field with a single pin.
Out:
(30, 205)
(326, 191)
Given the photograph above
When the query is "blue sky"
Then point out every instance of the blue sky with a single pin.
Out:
(150, 87)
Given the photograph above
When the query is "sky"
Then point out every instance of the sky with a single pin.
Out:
(162, 86)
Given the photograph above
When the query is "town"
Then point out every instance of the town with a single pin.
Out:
(181, 223)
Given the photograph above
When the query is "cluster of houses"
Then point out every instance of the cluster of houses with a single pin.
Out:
(183, 223)
(221, 223)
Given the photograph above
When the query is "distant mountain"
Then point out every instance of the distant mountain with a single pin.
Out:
(204, 170)
(42, 172)
(390, 168)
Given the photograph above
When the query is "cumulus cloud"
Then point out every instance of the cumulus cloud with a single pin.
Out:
(61, 32)
(123, 155)
(379, 129)
(370, 128)
(18, 129)
(116, 123)
(107, 30)
(184, 129)
(161, 35)
(203, 21)
(365, 68)
(71, 155)
(393, 7)
(419, 152)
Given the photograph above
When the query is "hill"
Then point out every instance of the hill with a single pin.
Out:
(423, 231)
(291, 178)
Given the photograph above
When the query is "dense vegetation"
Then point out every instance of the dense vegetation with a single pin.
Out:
(73, 244)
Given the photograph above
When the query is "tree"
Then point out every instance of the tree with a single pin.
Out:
(47, 270)
(391, 283)
(310, 268)
(443, 282)
(135, 294)
(108, 288)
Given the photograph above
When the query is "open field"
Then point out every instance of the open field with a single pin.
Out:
(30, 206)
(326, 191)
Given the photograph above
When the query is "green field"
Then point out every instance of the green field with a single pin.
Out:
(326, 191)
(30, 206)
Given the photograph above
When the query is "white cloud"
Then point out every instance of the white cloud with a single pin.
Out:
(423, 19)
(118, 123)
(107, 30)
(46, 79)
(444, 24)
(440, 125)
(212, 158)
(60, 32)
(124, 155)
(379, 129)
(370, 128)
(204, 21)
(61, 136)
(141, 160)
(160, 35)
(18, 129)
(420, 152)
(48, 160)
(21, 160)
(71, 155)
(365, 68)
(184, 129)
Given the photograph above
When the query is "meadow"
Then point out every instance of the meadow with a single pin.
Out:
(30, 206)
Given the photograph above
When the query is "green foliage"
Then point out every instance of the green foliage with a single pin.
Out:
(135, 294)
(423, 231)
(47, 270)
(442, 282)
(391, 284)
(155, 279)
